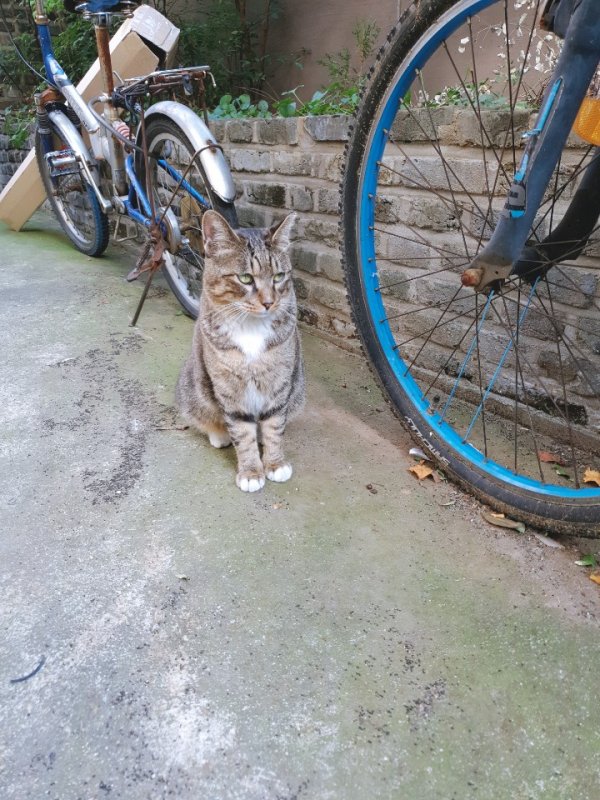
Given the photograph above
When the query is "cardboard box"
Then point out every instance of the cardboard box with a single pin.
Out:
(131, 56)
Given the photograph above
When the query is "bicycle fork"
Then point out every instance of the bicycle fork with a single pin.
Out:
(506, 253)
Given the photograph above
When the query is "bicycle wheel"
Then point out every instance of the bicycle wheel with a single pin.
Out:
(501, 388)
(72, 199)
(170, 154)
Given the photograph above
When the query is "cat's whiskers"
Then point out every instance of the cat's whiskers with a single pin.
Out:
(229, 314)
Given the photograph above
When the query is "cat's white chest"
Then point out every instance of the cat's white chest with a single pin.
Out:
(251, 337)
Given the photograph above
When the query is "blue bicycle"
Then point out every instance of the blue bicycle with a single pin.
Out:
(470, 280)
(159, 166)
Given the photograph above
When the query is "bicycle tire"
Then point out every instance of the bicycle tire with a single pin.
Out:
(74, 203)
(183, 277)
(401, 369)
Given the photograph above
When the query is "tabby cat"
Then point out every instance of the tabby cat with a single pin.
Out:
(245, 378)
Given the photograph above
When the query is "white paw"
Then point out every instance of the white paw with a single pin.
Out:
(281, 474)
(219, 439)
(250, 484)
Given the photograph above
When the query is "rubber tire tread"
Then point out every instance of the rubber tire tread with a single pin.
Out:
(161, 124)
(581, 518)
(101, 225)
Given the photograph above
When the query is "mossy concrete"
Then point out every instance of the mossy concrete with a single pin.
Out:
(350, 634)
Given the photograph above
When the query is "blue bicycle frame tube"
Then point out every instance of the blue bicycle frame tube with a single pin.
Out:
(58, 78)
(183, 183)
(575, 68)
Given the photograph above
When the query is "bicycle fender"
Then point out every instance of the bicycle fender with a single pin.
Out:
(212, 159)
(71, 135)
(73, 138)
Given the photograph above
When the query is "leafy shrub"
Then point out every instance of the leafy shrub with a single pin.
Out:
(240, 107)
(339, 96)
(17, 125)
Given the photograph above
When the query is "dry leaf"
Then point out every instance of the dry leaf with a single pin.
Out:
(591, 476)
(421, 471)
(503, 522)
(595, 576)
(550, 458)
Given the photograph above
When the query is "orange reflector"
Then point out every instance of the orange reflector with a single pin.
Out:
(587, 123)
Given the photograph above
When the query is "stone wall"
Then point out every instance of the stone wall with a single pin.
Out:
(10, 156)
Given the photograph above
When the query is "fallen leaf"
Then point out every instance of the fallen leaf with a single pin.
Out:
(591, 476)
(548, 541)
(503, 522)
(550, 458)
(587, 561)
(421, 471)
(595, 576)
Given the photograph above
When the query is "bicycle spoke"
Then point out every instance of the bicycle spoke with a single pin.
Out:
(495, 377)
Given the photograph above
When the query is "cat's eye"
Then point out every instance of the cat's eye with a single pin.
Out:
(278, 277)
(246, 278)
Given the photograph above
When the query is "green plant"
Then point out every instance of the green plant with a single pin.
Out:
(17, 125)
(469, 95)
(340, 96)
(333, 99)
(74, 47)
(233, 38)
(240, 107)
(347, 70)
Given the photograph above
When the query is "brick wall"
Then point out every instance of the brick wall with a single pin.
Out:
(10, 157)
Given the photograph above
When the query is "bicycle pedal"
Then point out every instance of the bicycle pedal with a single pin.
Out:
(62, 162)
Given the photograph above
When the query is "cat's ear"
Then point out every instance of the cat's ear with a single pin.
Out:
(219, 238)
(278, 235)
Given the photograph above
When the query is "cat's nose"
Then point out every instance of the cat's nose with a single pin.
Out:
(267, 305)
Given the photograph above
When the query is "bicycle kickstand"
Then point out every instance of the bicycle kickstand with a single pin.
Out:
(150, 261)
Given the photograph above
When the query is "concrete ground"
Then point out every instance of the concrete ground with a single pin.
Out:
(317, 640)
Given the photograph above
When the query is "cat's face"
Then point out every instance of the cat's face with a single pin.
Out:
(249, 268)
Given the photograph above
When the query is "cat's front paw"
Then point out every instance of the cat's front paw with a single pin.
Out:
(250, 481)
(279, 473)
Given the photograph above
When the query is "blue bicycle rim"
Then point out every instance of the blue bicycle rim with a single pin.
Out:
(416, 59)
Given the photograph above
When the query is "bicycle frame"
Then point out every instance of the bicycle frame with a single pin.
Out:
(575, 69)
(130, 197)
